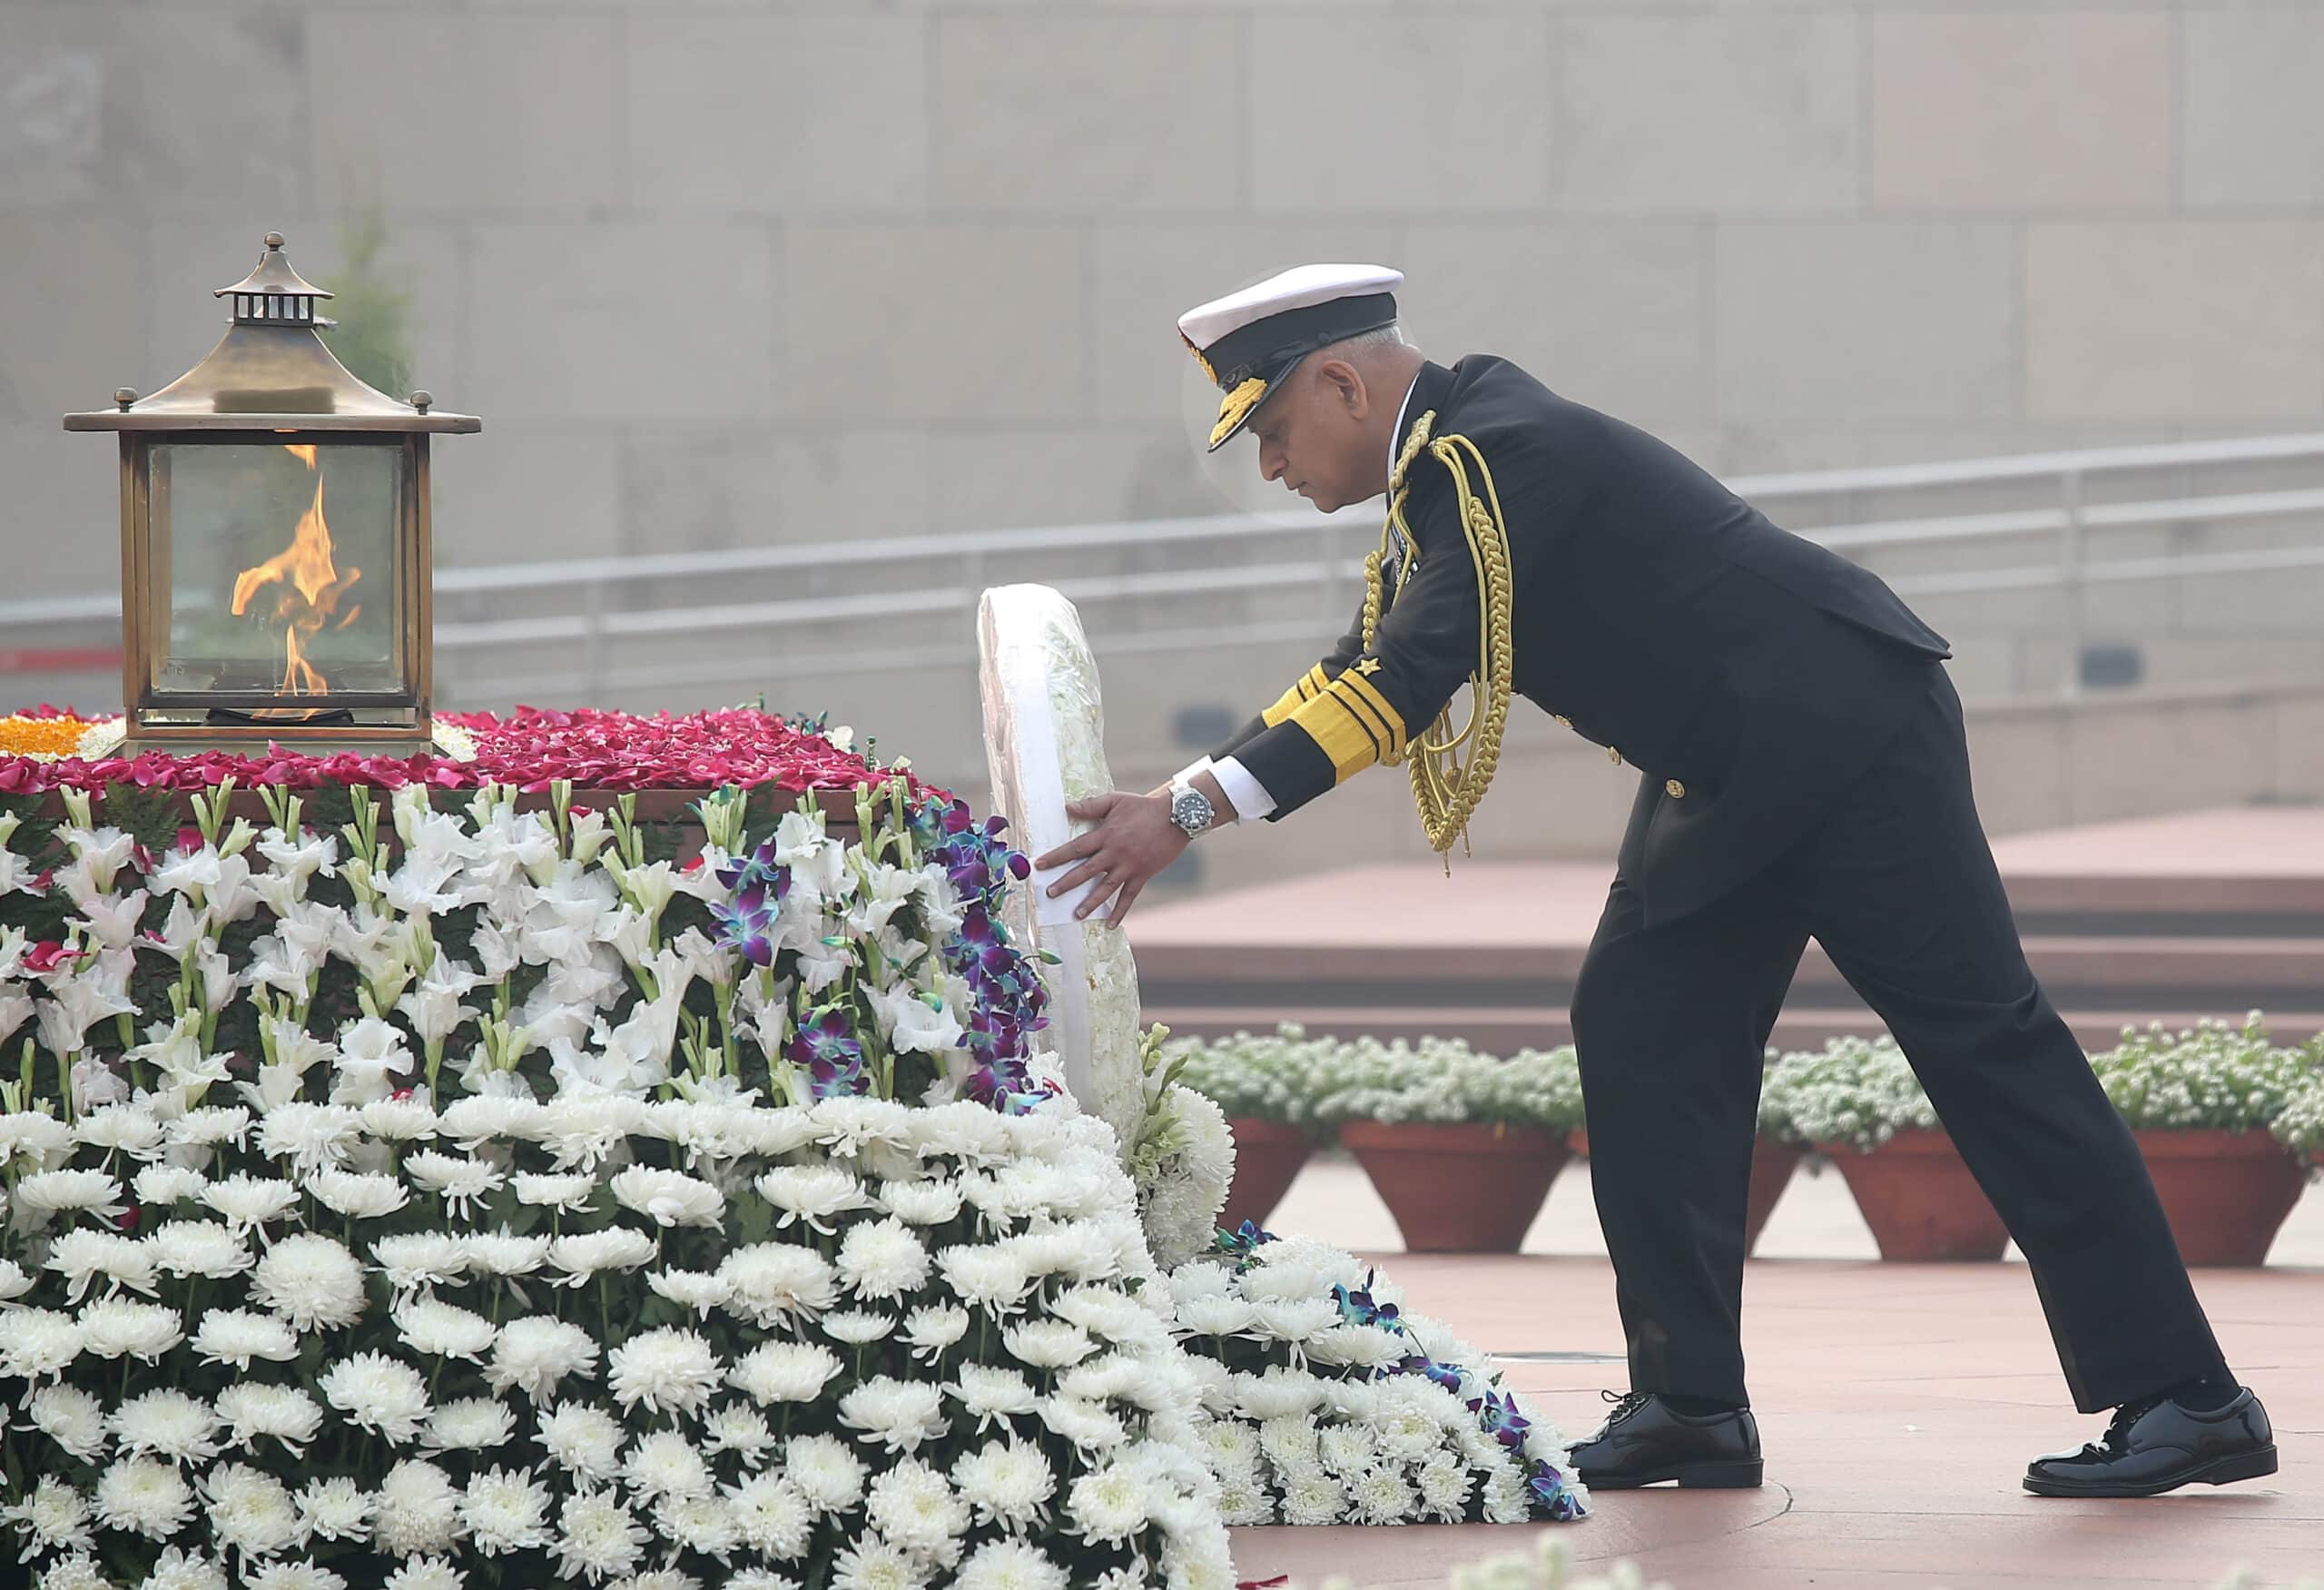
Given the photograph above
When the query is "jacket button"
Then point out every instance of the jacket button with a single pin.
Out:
(1677, 792)
(1614, 756)
(1560, 720)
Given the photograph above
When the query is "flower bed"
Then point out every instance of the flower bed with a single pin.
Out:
(407, 1189)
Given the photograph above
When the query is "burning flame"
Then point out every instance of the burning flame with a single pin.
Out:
(311, 586)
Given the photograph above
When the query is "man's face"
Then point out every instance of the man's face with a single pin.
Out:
(1310, 436)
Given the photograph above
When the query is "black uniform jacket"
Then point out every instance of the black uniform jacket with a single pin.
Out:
(1749, 674)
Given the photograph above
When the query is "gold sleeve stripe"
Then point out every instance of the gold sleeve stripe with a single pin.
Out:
(1310, 685)
(1341, 733)
(1390, 721)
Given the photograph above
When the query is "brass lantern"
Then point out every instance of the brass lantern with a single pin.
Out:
(274, 542)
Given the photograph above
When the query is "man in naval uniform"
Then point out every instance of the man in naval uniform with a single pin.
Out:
(1804, 774)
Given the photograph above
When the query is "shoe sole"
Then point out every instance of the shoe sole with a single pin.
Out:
(2219, 1471)
(1734, 1475)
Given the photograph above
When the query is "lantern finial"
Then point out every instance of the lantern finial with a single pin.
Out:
(274, 294)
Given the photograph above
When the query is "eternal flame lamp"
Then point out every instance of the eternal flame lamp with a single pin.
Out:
(274, 542)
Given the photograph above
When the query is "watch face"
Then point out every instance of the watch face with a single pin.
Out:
(1190, 810)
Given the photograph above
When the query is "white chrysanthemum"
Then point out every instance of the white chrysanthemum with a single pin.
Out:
(884, 1260)
(1216, 1316)
(177, 1569)
(72, 1419)
(378, 1394)
(857, 1327)
(55, 1518)
(667, 1370)
(898, 1414)
(772, 1282)
(236, 1336)
(1011, 1564)
(144, 1495)
(308, 1136)
(1444, 1487)
(504, 1253)
(130, 1129)
(1091, 1427)
(912, 1505)
(708, 1525)
(459, 1179)
(987, 1278)
(987, 1394)
(772, 1516)
(250, 1511)
(469, 1424)
(829, 1475)
(83, 1254)
(760, 1579)
(1358, 1347)
(1008, 1483)
(443, 1329)
(418, 1510)
(249, 1200)
(482, 1117)
(579, 1130)
(167, 1424)
(252, 1410)
(814, 1194)
(334, 1508)
(741, 1430)
(1280, 1393)
(585, 1441)
(596, 1537)
(1048, 1344)
(583, 1257)
(399, 1121)
(426, 1574)
(505, 1510)
(358, 1194)
(1293, 1320)
(92, 1192)
(78, 1571)
(158, 1185)
(312, 1281)
(117, 1329)
(699, 1291)
(293, 1577)
(421, 1258)
(931, 1330)
(785, 1371)
(35, 1342)
(211, 1126)
(659, 1579)
(533, 1354)
(198, 1248)
(665, 1464)
(564, 1190)
(1107, 1504)
(870, 1562)
(669, 1198)
(1312, 1498)
(933, 1202)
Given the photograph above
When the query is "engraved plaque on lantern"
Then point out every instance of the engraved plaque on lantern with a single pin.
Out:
(275, 540)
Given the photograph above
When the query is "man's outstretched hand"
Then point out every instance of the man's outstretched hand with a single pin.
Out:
(1134, 840)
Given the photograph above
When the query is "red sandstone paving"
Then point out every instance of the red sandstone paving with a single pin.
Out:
(1898, 1405)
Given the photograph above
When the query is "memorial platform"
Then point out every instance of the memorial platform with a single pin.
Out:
(2203, 913)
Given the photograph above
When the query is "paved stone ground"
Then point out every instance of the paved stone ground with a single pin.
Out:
(1898, 1405)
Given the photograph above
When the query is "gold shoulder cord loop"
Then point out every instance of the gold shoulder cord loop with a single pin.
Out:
(1447, 791)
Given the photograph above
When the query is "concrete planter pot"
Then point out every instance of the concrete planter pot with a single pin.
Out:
(1268, 1155)
(2226, 1193)
(1458, 1187)
(1916, 1194)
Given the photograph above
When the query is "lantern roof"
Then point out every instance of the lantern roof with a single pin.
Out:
(271, 371)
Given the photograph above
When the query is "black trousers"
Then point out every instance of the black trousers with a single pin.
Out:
(1897, 882)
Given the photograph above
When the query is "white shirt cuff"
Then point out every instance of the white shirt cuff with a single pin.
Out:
(1247, 795)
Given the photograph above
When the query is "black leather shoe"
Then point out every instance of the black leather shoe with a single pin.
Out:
(2157, 1445)
(1645, 1441)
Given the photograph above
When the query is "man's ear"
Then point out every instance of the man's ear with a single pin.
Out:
(1343, 379)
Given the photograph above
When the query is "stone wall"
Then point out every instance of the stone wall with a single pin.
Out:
(722, 273)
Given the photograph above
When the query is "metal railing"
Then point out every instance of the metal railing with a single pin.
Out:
(586, 612)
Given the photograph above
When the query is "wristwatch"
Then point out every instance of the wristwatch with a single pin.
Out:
(1190, 809)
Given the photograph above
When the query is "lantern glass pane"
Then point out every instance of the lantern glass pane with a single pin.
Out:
(281, 568)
